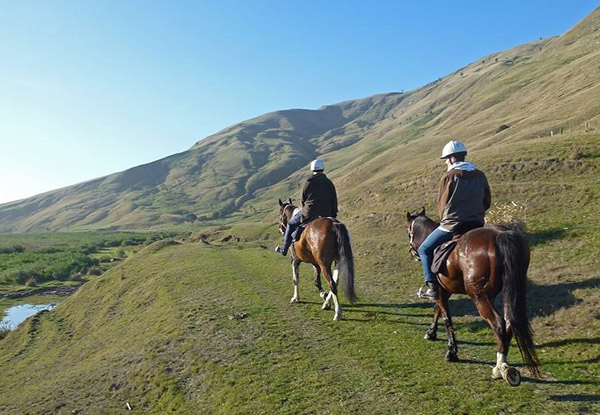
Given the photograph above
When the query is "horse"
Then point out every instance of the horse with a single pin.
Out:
(485, 262)
(323, 241)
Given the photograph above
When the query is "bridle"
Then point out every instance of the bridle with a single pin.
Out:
(283, 217)
(411, 241)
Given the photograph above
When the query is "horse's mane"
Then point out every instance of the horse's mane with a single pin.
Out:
(425, 221)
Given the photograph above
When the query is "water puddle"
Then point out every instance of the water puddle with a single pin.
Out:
(19, 313)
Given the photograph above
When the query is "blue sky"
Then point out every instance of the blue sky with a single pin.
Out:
(89, 88)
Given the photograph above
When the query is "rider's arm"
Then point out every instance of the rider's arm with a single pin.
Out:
(487, 198)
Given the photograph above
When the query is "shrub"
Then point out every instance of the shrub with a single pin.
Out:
(95, 270)
(21, 275)
(31, 282)
(4, 330)
(12, 249)
(511, 214)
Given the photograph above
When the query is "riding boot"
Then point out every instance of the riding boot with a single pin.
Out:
(281, 250)
(433, 291)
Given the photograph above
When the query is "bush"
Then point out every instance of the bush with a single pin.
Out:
(31, 282)
(12, 249)
(510, 214)
(21, 276)
(95, 270)
(4, 330)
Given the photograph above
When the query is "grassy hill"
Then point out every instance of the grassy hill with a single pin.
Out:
(197, 328)
(205, 325)
(503, 100)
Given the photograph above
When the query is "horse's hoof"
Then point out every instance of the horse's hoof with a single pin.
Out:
(323, 295)
(294, 300)
(451, 357)
(496, 373)
(512, 376)
(337, 317)
(326, 306)
(430, 335)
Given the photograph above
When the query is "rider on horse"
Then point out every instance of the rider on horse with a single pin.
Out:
(463, 197)
(319, 198)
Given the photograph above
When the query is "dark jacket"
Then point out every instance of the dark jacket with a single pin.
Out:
(463, 198)
(318, 198)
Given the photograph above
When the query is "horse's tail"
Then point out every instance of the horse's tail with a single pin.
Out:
(346, 262)
(514, 257)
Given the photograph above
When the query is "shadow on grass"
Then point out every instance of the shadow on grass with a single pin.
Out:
(545, 236)
(543, 300)
(560, 382)
(547, 299)
(566, 342)
(458, 307)
(575, 398)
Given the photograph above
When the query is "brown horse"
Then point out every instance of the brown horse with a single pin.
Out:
(324, 241)
(485, 262)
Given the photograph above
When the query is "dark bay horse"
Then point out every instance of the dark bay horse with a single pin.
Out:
(485, 262)
(324, 241)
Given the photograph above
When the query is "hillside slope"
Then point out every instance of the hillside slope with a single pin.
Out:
(199, 329)
(541, 89)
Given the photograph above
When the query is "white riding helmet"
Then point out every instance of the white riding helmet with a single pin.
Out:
(453, 147)
(317, 165)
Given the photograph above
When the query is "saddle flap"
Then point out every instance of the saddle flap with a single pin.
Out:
(441, 254)
(298, 231)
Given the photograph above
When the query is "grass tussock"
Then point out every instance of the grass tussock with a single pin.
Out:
(512, 215)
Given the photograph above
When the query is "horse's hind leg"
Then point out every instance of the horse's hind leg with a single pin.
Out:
(502, 369)
(443, 307)
(322, 293)
(326, 269)
(296, 278)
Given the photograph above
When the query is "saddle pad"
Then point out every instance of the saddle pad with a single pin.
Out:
(440, 255)
(298, 231)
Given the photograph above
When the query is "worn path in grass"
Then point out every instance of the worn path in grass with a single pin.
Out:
(204, 329)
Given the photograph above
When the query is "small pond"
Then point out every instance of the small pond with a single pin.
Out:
(17, 314)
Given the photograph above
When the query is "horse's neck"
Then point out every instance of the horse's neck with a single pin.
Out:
(429, 225)
(291, 209)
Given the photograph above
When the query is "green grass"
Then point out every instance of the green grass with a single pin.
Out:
(206, 326)
(198, 328)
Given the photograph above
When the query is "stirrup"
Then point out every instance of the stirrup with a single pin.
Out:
(422, 294)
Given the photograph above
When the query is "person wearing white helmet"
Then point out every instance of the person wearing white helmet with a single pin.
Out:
(319, 199)
(463, 197)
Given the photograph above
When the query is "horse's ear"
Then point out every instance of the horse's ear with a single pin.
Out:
(290, 200)
(422, 213)
(408, 216)
(280, 202)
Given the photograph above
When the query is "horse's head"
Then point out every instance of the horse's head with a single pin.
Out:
(419, 226)
(285, 213)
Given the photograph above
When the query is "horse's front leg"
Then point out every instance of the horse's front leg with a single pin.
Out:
(322, 293)
(431, 334)
(296, 278)
(442, 304)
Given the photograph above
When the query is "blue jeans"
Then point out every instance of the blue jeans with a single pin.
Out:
(289, 229)
(435, 239)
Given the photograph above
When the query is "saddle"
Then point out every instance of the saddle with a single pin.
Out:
(298, 231)
(442, 252)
